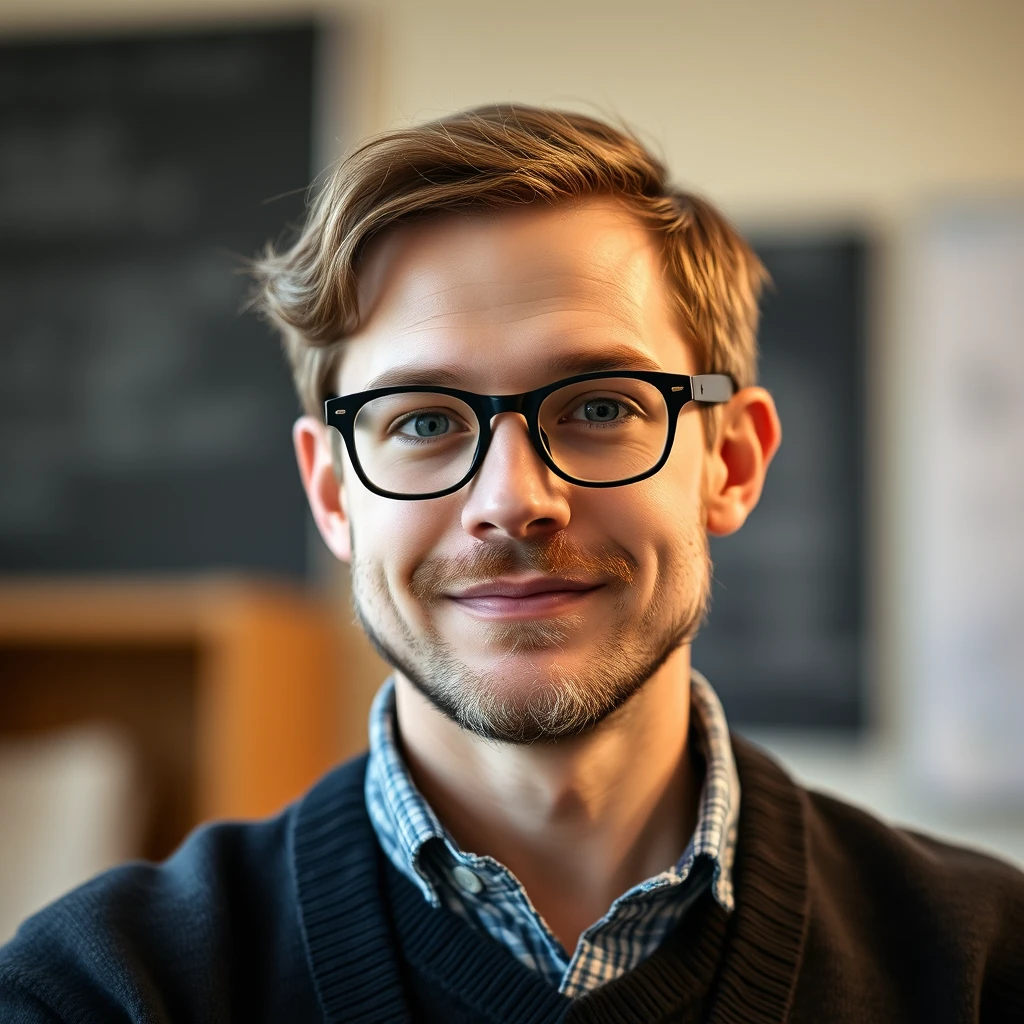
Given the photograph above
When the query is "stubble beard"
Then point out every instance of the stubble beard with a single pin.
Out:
(568, 701)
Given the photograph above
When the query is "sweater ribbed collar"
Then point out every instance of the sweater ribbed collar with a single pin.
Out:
(754, 955)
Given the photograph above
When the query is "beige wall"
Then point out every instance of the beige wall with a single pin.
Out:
(786, 106)
(797, 110)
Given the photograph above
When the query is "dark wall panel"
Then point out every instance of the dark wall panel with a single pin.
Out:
(144, 420)
(784, 642)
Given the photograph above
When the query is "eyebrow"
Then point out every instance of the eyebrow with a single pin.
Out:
(616, 357)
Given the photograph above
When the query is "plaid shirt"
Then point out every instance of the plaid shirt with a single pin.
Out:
(488, 896)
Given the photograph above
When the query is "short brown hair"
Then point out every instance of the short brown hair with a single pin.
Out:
(490, 159)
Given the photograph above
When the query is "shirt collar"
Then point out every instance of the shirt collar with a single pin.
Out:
(401, 816)
(405, 823)
(719, 808)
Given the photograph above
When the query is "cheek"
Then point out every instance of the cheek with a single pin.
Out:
(657, 519)
(681, 478)
(670, 499)
(391, 538)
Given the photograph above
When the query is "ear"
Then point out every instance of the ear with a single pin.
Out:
(748, 436)
(323, 489)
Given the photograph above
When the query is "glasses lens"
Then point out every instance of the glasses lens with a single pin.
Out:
(416, 442)
(600, 431)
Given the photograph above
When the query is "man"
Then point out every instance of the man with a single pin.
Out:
(546, 364)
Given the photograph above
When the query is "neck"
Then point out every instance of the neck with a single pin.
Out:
(577, 822)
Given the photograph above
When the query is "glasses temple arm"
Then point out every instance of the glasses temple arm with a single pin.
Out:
(712, 387)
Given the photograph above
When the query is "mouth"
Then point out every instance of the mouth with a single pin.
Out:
(531, 597)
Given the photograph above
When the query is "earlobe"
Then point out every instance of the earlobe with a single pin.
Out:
(323, 490)
(748, 437)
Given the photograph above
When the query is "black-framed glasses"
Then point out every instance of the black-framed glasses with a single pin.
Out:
(601, 429)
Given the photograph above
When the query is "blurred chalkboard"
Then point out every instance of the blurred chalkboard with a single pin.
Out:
(144, 422)
(783, 644)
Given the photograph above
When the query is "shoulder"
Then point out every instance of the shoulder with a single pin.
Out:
(887, 903)
(939, 881)
(850, 842)
(167, 941)
(903, 860)
(129, 944)
(918, 906)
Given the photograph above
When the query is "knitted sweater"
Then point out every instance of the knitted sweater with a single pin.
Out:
(838, 918)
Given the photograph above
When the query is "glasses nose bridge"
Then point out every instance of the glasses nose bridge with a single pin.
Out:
(497, 404)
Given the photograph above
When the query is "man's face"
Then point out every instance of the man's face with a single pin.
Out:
(457, 591)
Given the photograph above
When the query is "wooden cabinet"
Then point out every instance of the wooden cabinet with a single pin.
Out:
(230, 691)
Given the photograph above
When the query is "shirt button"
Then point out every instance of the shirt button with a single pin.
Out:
(466, 880)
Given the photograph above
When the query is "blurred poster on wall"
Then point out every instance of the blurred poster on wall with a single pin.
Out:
(967, 486)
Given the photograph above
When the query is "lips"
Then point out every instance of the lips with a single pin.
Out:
(524, 598)
(524, 587)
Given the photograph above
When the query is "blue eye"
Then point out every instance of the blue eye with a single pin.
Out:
(600, 410)
(429, 424)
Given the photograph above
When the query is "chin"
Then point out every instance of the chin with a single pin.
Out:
(534, 698)
(525, 673)
(525, 636)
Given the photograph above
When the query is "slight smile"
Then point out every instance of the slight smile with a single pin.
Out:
(534, 598)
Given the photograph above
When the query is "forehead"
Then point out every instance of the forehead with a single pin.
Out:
(511, 301)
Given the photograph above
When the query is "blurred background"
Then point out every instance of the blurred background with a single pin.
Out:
(175, 642)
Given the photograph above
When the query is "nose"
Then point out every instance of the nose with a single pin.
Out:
(514, 493)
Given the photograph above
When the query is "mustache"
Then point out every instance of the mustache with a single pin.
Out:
(610, 563)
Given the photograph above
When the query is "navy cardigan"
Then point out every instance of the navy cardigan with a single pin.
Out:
(301, 918)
